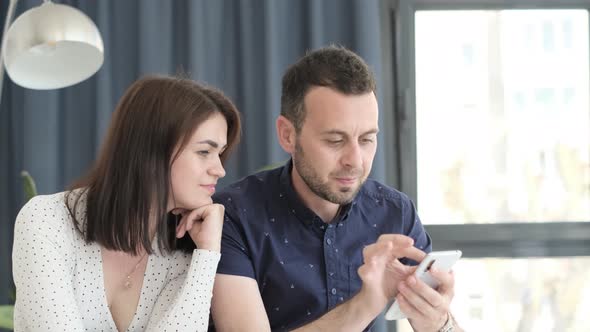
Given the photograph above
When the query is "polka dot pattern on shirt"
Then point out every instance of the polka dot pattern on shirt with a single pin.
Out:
(60, 284)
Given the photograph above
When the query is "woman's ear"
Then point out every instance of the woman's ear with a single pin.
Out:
(286, 134)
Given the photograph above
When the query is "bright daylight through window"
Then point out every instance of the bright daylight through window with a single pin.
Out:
(503, 135)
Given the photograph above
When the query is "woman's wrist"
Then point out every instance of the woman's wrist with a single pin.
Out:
(211, 246)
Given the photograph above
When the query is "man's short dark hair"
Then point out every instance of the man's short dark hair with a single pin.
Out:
(334, 67)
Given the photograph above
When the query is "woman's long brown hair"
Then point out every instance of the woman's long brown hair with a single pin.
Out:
(129, 183)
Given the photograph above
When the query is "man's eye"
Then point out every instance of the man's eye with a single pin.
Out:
(334, 142)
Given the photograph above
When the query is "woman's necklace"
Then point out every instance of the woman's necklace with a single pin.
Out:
(128, 283)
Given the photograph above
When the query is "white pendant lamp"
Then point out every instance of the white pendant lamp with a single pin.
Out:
(51, 46)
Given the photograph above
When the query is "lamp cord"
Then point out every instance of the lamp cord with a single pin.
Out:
(9, 17)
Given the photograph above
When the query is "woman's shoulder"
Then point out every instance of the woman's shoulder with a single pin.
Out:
(48, 214)
(44, 204)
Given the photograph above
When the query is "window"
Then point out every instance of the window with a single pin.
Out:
(483, 154)
(493, 144)
(542, 294)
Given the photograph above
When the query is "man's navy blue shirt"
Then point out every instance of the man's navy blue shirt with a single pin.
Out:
(305, 267)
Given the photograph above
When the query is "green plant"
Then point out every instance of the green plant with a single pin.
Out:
(28, 185)
(6, 314)
(7, 311)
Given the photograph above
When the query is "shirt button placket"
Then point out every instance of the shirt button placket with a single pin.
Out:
(332, 267)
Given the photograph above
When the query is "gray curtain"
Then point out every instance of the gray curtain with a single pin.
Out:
(239, 46)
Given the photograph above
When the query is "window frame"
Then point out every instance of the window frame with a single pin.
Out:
(502, 240)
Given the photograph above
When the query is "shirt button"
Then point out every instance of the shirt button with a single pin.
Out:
(329, 242)
(333, 291)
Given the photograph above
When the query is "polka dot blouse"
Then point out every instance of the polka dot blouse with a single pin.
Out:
(59, 279)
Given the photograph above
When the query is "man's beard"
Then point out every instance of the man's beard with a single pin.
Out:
(322, 189)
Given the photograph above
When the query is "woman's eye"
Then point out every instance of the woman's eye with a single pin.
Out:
(203, 152)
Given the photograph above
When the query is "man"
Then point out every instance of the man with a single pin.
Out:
(315, 245)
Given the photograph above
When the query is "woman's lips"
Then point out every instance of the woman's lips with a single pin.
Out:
(209, 187)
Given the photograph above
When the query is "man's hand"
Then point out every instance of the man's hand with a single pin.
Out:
(204, 225)
(427, 309)
(381, 274)
(382, 271)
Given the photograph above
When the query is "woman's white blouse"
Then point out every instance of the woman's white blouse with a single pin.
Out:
(59, 279)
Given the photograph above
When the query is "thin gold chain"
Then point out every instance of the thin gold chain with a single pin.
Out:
(127, 282)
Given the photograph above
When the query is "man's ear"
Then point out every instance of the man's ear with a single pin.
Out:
(286, 134)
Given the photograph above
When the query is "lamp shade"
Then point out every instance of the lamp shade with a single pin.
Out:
(52, 46)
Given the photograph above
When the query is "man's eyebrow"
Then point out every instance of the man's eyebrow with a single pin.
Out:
(370, 132)
(334, 132)
(342, 133)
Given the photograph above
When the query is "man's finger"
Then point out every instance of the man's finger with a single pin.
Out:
(412, 253)
(446, 281)
(426, 292)
(403, 246)
(416, 300)
(398, 240)
(377, 249)
(407, 308)
(392, 247)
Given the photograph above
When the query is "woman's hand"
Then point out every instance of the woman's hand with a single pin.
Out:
(204, 225)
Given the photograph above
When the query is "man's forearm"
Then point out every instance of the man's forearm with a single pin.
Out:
(353, 315)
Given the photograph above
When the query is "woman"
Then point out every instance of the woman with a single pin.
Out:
(117, 252)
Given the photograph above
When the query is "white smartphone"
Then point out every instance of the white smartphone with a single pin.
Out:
(442, 260)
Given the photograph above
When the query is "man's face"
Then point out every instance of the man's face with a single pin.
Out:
(335, 148)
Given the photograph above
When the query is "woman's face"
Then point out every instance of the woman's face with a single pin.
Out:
(197, 168)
